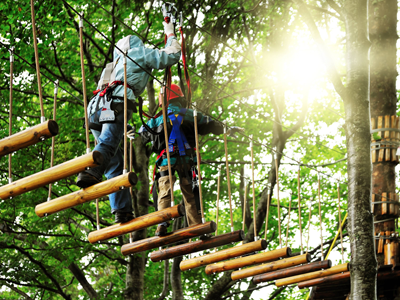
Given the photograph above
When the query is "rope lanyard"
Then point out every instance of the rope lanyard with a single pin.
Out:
(125, 116)
(309, 223)
(185, 69)
(227, 175)
(196, 134)
(254, 193)
(42, 117)
(340, 219)
(277, 193)
(298, 193)
(84, 83)
(244, 204)
(53, 139)
(97, 203)
(267, 216)
(288, 224)
(218, 191)
(10, 111)
(164, 110)
(320, 216)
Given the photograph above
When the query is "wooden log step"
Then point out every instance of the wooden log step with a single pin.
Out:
(51, 175)
(311, 267)
(215, 241)
(248, 260)
(28, 137)
(173, 237)
(272, 266)
(85, 195)
(139, 223)
(327, 279)
(318, 274)
(223, 255)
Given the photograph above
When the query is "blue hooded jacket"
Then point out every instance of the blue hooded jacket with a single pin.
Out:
(147, 58)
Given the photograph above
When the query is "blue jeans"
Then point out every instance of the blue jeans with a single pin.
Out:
(108, 141)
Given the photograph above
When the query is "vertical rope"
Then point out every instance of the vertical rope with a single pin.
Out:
(196, 134)
(131, 188)
(42, 117)
(218, 191)
(254, 193)
(227, 175)
(10, 110)
(53, 139)
(244, 204)
(164, 110)
(267, 216)
(83, 83)
(288, 224)
(125, 116)
(340, 219)
(298, 193)
(277, 193)
(320, 216)
(309, 223)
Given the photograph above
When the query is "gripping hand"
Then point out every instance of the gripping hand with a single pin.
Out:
(168, 28)
(233, 130)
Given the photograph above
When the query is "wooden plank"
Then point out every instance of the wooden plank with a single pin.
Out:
(318, 274)
(384, 205)
(139, 223)
(173, 237)
(380, 243)
(28, 137)
(311, 267)
(272, 266)
(324, 280)
(373, 152)
(392, 198)
(82, 196)
(248, 260)
(387, 137)
(223, 255)
(215, 241)
(381, 152)
(51, 175)
(397, 206)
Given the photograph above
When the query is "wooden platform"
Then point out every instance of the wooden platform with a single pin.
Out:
(51, 175)
(28, 137)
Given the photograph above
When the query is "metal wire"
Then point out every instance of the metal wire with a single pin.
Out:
(298, 193)
(288, 224)
(254, 193)
(53, 139)
(228, 176)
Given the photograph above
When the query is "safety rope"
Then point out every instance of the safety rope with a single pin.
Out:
(320, 216)
(42, 117)
(185, 69)
(84, 82)
(125, 115)
(218, 191)
(340, 219)
(288, 223)
(53, 139)
(10, 111)
(254, 192)
(244, 204)
(267, 215)
(227, 174)
(309, 223)
(279, 206)
(299, 208)
(196, 134)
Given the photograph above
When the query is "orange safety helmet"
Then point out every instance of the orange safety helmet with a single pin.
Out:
(175, 93)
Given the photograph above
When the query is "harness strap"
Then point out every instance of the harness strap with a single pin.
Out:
(177, 135)
(110, 87)
(185, 69)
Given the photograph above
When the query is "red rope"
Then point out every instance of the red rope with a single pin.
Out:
(187, 77)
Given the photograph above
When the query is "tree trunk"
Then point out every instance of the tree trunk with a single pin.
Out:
(356, 104)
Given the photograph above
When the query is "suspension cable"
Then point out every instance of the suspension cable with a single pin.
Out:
(267, 215)
(244, 204)
(277, 193)
(227, 174)
(42, 117)
(196, 134)
(218, 191)
(53, 139)
(340, 219)
(320, 216)
(299, 196)
(10, 110)
(288, 224)
(309, 223)
(125, 116)
(254, 192)
(84, 83)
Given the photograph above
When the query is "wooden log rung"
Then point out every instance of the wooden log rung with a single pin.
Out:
(311, 267)
(85, 195)
(28, 137)
(139, 223)
(223, 255)
(173, 237)
(318, 274)
(215, 241)
(272, 266)
(248, 260)
(324, 280)
(51, 175)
